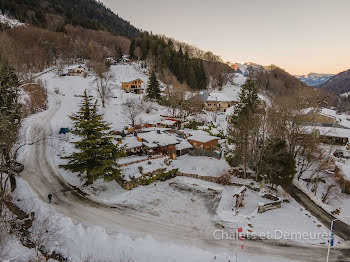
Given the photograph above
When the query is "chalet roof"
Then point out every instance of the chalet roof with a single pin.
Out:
(221, 97)
(203, 138)
(131, 142)
(157, 138)
(328, 131)
(127, 82)
(72, 67)
(184, 144)
(168, 122)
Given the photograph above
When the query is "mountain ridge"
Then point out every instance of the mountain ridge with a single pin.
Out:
(338, 84)
(314, 79)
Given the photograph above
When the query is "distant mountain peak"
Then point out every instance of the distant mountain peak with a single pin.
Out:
(314, 79)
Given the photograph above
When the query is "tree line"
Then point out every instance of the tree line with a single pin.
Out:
(88, 14)
(162, 54)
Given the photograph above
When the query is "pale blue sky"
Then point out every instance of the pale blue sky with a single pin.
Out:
(300, 36)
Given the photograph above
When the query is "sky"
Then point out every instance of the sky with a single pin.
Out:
(300, 36)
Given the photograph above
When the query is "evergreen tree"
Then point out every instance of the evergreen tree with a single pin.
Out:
(96, 151)
(132, 49)
(10, 110)
(278, 163)
(243, 123)
(8, 90)
(153, 90)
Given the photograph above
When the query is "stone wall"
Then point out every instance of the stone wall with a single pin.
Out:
(148, 178)
(142, 160)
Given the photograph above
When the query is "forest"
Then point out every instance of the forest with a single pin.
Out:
(164, 54)
(55, 14)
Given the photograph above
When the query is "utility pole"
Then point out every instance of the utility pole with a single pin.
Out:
(332, 238)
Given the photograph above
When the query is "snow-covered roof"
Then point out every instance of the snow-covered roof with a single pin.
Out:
(156, 138)
(239, 191)
(221, 97)
(72, 67)
(328, 112)
(329, 131)
(168, 122)
(131, 142)
(184, 144)
(127, 82)
(201, 136)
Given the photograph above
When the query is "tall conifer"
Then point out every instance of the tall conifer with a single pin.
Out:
(96, 150)
(153, 90)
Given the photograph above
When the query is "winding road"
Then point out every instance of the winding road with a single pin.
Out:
(44, 177)
(340, 228)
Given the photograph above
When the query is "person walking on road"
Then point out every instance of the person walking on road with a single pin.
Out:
(50, 198)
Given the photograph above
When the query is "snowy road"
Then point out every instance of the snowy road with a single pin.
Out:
(341, 229)
(45, 178)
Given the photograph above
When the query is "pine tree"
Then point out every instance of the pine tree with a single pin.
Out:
(10, 108)
(132, 49)
(278, 163)
(8, 90)
(96, 153)
(243, 122)
(153, 90)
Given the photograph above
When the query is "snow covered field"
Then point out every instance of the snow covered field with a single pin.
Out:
(204, 166)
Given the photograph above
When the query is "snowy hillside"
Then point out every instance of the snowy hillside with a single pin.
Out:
(9, 22)
(314, 79)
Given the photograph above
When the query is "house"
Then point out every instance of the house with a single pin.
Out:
(203, 140)
(133, 145)
(178, 133)
(219, 102)
(111, 61)
(329, 134)
(183, 147)
(134, 86)
(76, 70)
(170, 123)
(158, 142)
(124, 59)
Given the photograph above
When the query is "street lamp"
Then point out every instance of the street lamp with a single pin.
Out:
(332, 238)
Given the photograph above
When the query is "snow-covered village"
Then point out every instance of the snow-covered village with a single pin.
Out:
(117, 144)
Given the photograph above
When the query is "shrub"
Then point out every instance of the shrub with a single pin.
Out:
(193, 124)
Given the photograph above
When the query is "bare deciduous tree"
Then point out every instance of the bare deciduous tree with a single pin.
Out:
(132, 109)
(44, 232)
(102, 80)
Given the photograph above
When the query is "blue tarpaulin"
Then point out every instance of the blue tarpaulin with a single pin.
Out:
(64, 130)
